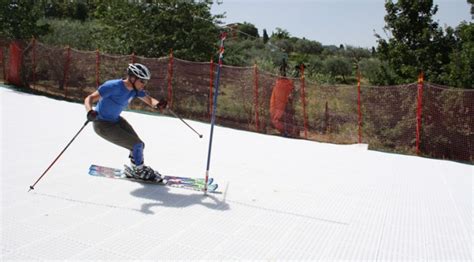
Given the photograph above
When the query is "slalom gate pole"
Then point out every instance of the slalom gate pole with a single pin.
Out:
(175, 115)
(47, 169)
(214, 108)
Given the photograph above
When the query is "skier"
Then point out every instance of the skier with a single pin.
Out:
(113, 97)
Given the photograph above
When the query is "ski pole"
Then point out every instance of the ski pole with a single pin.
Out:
(171, 111)
(47, 169)
(214, 108)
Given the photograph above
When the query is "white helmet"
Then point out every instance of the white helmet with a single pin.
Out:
(139, 71)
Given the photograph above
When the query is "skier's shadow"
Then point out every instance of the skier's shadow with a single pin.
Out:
(177, 198)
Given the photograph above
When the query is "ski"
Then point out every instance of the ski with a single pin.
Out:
(196, 184)
(117, 173)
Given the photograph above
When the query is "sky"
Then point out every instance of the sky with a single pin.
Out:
(330, 22)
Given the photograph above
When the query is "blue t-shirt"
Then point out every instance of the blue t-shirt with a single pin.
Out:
(114, 98)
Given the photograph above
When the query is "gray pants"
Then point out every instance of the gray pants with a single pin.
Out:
(121, 134)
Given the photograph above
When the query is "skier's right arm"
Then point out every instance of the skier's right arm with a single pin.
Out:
(89, 102)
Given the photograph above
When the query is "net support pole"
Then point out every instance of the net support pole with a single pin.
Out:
(66, 70)
(359, 111)
(257, 122)
(33, 70)
(303, 100)
(214, 108)
(3, 63)
(419, 111)
(97, 68)
(170, 79)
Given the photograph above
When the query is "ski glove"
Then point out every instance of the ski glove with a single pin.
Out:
(92, 115)
(161, 104)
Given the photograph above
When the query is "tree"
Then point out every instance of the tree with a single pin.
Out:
(472, 7)
(338, 66)
(265, 36)
(152, 29)
(73, 33)
(19, 20)
(74, 9)
(356, 54)
(248, 30)
(308, 47)
(461, 68)
(280, 34)
(285, 45)
(377, 72)
(329, 50)
(416, 43)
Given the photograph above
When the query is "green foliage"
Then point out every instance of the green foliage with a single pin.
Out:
(314, 65)
(338, 66)
(472, 7)
(377, 71)
(330, 50)
(75, 10)
(417, 42)
(461, 68)
(76, 34)
(265, 36)
(306, 46)
(153, 29)
(18, 20)
(280, 34)
(244, 52)
(356, 54)
(248, 30)
(284, 44)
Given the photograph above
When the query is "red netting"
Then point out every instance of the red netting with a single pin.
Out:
(44, 68)
(265, 85)
(112, 66)
(332, 113)
(13, 72)
(189, 94)
(253, 100)
(235, 102)
(447, 123)
(80, 74)
(3, 66)
(389, 117)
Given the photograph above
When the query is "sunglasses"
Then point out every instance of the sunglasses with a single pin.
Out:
(143, 81)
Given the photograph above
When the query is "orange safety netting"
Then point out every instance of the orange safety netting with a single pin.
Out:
(278, 102)
(418, 118)
(14, 62)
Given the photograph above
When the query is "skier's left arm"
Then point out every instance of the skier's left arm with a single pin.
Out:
(157, 104)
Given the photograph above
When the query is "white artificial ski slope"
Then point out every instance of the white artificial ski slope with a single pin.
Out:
(281, 198)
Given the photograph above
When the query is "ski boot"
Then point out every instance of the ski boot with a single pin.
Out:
(144, 173)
